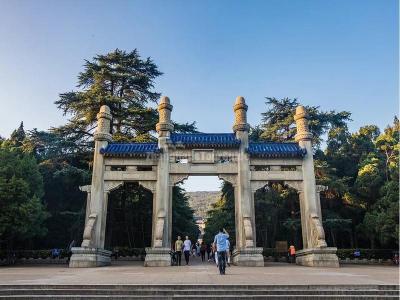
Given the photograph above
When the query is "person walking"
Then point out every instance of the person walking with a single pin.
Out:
(178, 249)
(203, 251)
(292, 253)
(187, 246)
(208, 251)
(220, 241)
(198, 249)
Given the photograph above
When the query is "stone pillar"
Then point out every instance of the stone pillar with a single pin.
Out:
(86, 188)
(246, 253)
(92, 253)
(315, 252)
(158, 254)
(320, 188)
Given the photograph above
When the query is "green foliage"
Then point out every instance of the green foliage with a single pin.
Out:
(129, 217)
(277, 215)
(123, 81)
(360, 207)
(279, 125)
(183, 222)
(21, 187)
(222, 215)
(366, 253)
(18, 136)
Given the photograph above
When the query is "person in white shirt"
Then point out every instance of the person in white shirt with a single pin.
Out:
(220, 240)
(187, 246)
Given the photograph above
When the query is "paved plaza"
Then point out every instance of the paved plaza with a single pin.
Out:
(199, 273)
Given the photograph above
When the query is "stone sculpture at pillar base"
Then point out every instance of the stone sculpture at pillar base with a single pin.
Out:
(248, 257)
(318, 257)
(157, 257)
(84, 257)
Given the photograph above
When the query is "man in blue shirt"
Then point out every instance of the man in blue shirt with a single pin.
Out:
(220, 242)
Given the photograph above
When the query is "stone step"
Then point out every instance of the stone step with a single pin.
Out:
(197, 297)
(188, 292)
(201, 287)
(129, 291)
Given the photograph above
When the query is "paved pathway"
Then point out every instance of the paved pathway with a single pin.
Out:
(199, 273)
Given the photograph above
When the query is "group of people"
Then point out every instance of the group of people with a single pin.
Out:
(218, 251)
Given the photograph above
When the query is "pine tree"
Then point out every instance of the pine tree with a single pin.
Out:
(123, 81)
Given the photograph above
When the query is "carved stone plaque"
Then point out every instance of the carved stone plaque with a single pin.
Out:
(203, 156)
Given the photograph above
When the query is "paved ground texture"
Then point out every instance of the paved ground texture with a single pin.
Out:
(199, 273)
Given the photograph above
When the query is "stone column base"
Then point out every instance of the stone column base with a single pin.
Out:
(157, 257)
(248, 257)
(89, 257)
(318, 257)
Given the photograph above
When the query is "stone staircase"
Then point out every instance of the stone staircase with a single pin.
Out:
(129, 291)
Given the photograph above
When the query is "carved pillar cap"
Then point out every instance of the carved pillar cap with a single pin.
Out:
(240, 109)
(303, 133)
(104, 113)
(300, 113)
(165, 103)
(103, 124)
(164, 111)
(240, 103)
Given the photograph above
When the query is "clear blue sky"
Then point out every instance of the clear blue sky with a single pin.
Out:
(341, 55)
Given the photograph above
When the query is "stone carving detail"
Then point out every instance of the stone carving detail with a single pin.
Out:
(317, 232)
(321, 188)
(85, 188)
(256, 185)
(303, 132)
(103, 124)
(148, 185)
(177, 178)
(159, 229)
(164, 111)
(110, 186)
(297, 185)
(88, 232)
(240, 109)
(248, 232)
(228, 178)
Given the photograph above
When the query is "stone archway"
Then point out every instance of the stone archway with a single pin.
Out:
(231, 156)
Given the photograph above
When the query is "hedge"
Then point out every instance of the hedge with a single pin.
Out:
(344, 253)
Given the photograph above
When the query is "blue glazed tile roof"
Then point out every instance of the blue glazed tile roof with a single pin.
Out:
(221, 140)
(129, 149)
(205, 139)
(275, 149)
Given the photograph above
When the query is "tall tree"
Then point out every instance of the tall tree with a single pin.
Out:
(183, 222)
(278, 121)
(21, 188)
(123, 81)
(222, 215)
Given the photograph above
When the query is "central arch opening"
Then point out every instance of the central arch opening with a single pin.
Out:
(212, 204)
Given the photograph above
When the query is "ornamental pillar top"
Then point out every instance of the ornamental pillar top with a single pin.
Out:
(103, 124)
(301, 118)
(164, 126)
(240, 109)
